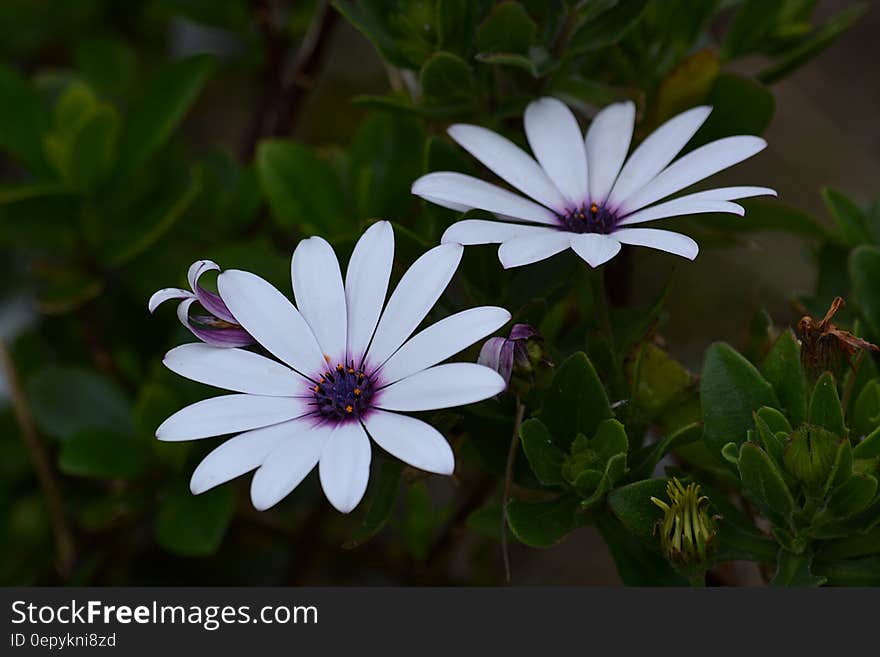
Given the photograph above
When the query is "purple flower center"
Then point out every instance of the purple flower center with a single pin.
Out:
(343, 392)
(590, 219)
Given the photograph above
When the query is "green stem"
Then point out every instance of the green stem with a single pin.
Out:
(600, 304)
(508, 484)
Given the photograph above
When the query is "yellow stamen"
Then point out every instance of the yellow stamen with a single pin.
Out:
(594, 208)
(349, 408)
(339, 367)
(317, 388)
(357, 392)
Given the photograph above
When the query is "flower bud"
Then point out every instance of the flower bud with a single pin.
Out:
(515, 357)
(809, 455)
(688, 529)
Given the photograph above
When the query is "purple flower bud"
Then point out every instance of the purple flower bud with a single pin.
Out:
(505, 354)
(218, 328)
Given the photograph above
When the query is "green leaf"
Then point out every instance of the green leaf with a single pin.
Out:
(302, 190)
(637, 563)
(820, 39)
(864, 272)
(91, 152)
(690, 433)
(418, 521)
(447, 81)
(66, 401)
(456, 22)
(508, 29)
(194, 525)
(825, 410)
(544, 456)
(794, 570)
(607, 27)
(383, 497)
(536, 63)
(131, 238)
(857, 545)
(486, 521)
(658, 380)
(107, 63)
(386, 158)
(870, 447)
(770, 439)
(851, 572)
(541, 524)
(161, 106)
(575, 402)
(852, 496)
(866, 411)
(687, 85)
(24, 118)
(633, 506)
(763, 483)
(736, 544)
(103, 453)
(849, 217)
(783, 370)
(395, 27)
(740, 106)
(731, 390)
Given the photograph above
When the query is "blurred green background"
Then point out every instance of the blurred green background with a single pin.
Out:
(129, 132)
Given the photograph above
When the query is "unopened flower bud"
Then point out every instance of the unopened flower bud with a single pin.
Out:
(515, 357)
(809, 455)
(688, 529)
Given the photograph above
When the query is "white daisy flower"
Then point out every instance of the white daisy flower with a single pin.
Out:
(347, 369)
(587, 194)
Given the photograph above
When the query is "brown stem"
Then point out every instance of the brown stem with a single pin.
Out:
(274, 47)
(63, 536)
(305, 66)
(508, 484)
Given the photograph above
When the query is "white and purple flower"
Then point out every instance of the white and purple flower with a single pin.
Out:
(347, 370)
(587, 195)
(218, 327)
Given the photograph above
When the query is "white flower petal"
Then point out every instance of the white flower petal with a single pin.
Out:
(558, 144)
(509, 162)
(167, 294)
(731, 193)
(366, 284)
(414, 442)
(468, 192)
(442, 386)
(415, 295)
(451, 205)
(664, 240)
(658, 150)
(480, 231)
(272, 320)
(294, 457)
(239, 455)
(526, 250)
(234, 369)
(607, 144)
(442, 340)
(198, 268)
(320, 297)
(680, 206)
(345, 466)
(595, 249)
(230, 414)
(693, 167)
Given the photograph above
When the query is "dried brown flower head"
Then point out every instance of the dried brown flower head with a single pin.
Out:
(824, 347)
